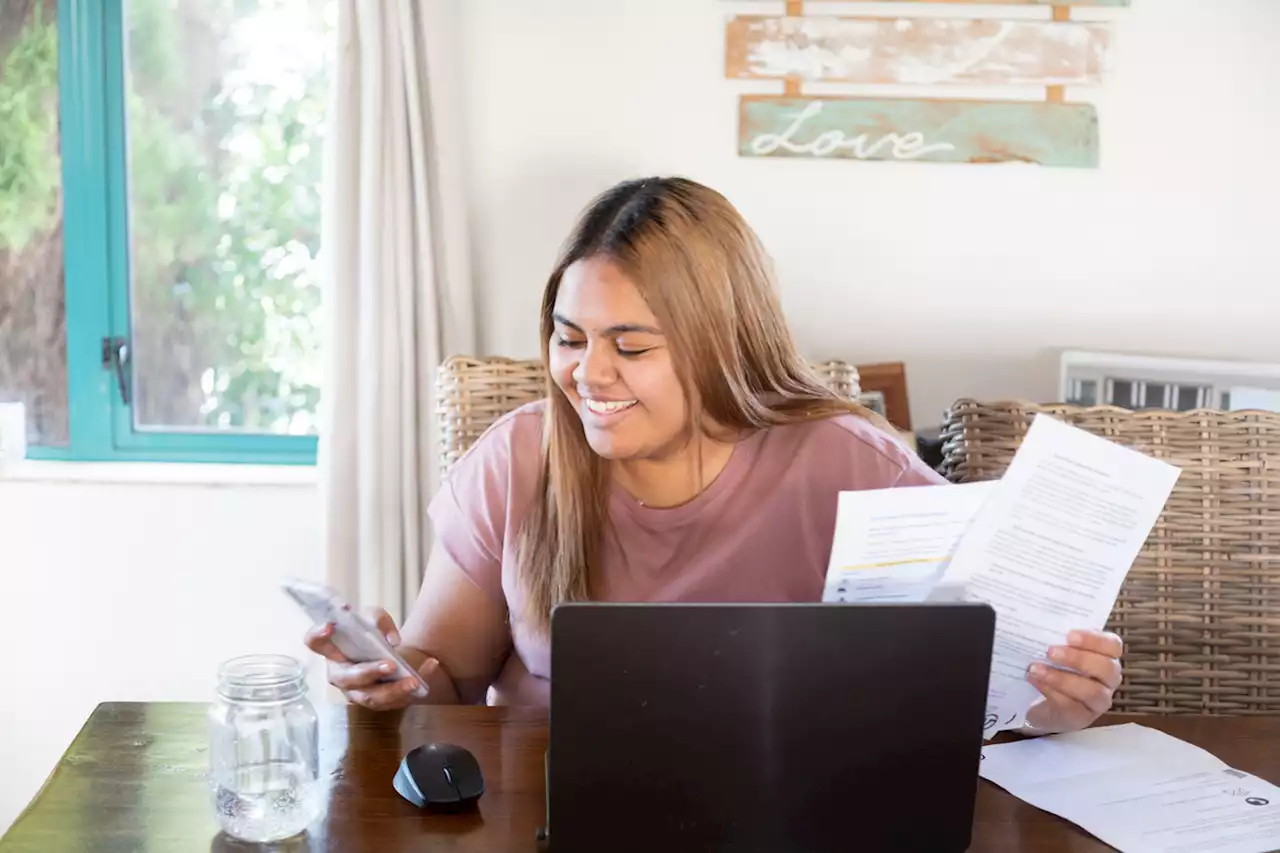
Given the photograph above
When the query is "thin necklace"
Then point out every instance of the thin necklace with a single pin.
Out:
(704, 486)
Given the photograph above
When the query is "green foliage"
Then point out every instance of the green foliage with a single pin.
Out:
(225, 170)
(29, 166)
(225, 103)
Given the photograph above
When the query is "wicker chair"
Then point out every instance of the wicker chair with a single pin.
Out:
(472, 393)
(1200, 610)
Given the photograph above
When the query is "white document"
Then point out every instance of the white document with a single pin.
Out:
(1051, 546)
(1140, 790)
(892, 545)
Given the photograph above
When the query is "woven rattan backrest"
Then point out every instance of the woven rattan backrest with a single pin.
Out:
(1200, 610)
(472, 393)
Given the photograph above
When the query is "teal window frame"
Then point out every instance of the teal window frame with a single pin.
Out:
(91, 66)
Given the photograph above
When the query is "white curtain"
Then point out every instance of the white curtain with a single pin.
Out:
(398, 291)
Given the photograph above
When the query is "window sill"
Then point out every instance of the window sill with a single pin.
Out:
(158, 473)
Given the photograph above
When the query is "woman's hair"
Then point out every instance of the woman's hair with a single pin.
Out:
(708, 281)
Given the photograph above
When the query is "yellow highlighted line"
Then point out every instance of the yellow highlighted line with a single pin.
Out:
(890, 563)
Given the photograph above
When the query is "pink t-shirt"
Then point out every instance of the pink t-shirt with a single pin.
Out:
(760, 533)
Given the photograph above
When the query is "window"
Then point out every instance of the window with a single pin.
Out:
(1189, 397)
(1162, 382)
(1155, 395)
(1083, 392)
(186, 203)
(1122, 393)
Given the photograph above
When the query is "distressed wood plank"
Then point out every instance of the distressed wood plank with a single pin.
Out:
(940, 131)
(916, 50)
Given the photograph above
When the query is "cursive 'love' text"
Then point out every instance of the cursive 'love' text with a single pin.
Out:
(864, 146)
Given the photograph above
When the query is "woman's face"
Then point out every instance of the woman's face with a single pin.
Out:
(611, 361)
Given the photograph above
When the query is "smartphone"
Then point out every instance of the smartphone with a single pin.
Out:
(355, 636)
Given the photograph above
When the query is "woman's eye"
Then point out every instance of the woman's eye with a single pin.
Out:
(631, 353)
(569, 344)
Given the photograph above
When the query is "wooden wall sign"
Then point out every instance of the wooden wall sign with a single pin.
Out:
(903, 129)
(921, 50)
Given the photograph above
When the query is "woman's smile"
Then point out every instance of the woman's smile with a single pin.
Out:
(605, 413)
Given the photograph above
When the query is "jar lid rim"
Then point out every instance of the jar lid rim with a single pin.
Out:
(260, 670)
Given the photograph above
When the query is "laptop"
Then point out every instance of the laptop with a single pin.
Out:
(812, 728)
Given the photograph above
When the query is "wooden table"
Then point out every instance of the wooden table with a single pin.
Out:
(133, 780)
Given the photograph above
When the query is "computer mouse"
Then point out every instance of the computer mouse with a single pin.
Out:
(440, 776)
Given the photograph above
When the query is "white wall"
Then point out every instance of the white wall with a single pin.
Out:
(136, 592)
(974, 276)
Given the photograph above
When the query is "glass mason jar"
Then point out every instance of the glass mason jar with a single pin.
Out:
(263, 751)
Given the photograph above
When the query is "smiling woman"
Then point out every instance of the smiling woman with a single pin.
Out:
(684, 452)
(671, 309)
(613, 365)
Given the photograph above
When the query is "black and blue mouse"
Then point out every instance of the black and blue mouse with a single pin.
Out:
(441, 777)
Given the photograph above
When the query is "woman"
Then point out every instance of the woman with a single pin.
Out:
(685, 452)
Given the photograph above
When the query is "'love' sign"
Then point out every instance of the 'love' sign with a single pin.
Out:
(939, 131)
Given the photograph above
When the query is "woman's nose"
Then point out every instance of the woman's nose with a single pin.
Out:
(595, 368)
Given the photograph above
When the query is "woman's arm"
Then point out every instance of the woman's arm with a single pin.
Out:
(456, 637)
(456, 634)
(459, 625)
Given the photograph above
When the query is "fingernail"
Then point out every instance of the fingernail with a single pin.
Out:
(410, 686)
(388, 667)
(1056, 653)
(1038, 670)
(393, 637)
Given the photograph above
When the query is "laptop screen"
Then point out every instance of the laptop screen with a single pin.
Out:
(766, 727)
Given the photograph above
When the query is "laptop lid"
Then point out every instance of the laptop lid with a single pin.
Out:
(770, 727)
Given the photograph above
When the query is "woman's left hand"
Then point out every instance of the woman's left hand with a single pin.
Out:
(1074, 701)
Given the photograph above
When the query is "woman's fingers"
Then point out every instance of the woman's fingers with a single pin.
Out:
(1092, 694)
(363, 683)
(357, 676)
(384, 623)
(381, 697)
(385, 697)
(1097, 666)
(1058, 712)
(1103, 643)
(320, 640)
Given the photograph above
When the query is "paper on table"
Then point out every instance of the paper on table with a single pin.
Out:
(1051, 546)
(1140, 790)
(892, 545)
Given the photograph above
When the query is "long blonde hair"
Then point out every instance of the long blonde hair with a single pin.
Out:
(708, 281)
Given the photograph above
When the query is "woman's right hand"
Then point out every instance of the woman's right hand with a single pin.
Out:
(362, 683)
